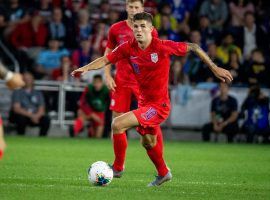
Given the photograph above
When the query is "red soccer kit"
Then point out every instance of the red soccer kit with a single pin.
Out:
(151, 69)
(125, 80)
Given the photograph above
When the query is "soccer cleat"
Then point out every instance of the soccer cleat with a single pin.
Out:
(117, 174)
(161, 179)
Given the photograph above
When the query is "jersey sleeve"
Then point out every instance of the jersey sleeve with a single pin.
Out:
(111, 43)
(175, 48)
(119, 53)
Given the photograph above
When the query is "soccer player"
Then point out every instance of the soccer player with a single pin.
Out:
(13, 81)
(124, 87)
(150, 59)
(125, 84)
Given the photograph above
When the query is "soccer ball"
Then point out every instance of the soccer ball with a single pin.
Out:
(100, 173)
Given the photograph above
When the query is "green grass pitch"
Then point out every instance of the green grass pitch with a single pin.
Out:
(56, 168)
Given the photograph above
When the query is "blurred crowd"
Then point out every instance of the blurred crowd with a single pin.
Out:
(50, 38)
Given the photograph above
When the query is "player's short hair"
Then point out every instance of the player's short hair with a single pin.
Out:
(132, 1)
(143, 16)
(97, 77)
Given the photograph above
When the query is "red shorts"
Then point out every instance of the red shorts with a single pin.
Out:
(121, 98)
(150, 117)
(88, 111)
(1, 121)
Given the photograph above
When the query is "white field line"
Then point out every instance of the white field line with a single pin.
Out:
(136, 180)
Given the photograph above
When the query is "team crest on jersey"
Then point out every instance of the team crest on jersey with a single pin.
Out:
(154, 57)
(150, 113)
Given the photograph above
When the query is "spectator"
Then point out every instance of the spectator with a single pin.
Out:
(195, 37)
(30, 36)
(3, 21)
(236, 68)
(49, 59)
(257, 69)
(92, 106)
(216, 11)
(72, 18)
(150, 6)
(252, 36)
(226, 46)
(28, 108)
(223, 116)
(165, 10)
(208, 34)
(176, 74)
(57, 28)
(238, 8)
(102, 13)
(113, 17)
(99, 39)
(84, 28)
(181, 9)
(45, 9)
(63, 72)
(165, 27)
(256, 107)
(83, 55)
(204, 73)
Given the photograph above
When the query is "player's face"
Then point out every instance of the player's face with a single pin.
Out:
(133, 8)
(142, 30)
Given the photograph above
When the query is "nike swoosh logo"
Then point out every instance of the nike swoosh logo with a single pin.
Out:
(133, 57)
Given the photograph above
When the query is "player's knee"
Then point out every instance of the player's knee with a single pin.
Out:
(148, 144)
(116, 126)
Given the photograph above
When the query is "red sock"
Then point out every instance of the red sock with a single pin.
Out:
(78, 125)
(156, 155)
(120, 147)
(1, 154)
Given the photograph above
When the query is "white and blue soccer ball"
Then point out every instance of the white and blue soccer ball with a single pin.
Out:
(100, 173)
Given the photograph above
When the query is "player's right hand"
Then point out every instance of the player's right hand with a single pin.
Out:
(77, 73)
(110, 83)
(15, 82)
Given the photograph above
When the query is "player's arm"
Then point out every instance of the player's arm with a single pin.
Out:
(219, 72)
(13, 80)
(107, 71)
(94, 65)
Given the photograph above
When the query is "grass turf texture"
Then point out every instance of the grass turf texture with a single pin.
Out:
(55, 168)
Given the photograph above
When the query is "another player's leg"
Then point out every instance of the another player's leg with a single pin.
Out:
(119, 126)
(2, 140)
(154, 147)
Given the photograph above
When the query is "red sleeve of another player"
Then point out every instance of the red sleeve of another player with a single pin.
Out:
(111, 44)
(175, 48)
(119, 53)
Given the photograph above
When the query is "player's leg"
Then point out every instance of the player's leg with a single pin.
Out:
(154, 147)
(2, 140)
(120, 103)
(119, 126)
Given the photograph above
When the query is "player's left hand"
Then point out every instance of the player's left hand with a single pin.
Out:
(222, 74)
(15, 82)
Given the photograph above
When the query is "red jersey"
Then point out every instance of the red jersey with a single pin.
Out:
(119, 33)
(150, 66)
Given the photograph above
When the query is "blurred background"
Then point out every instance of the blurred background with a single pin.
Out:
(47, 39)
